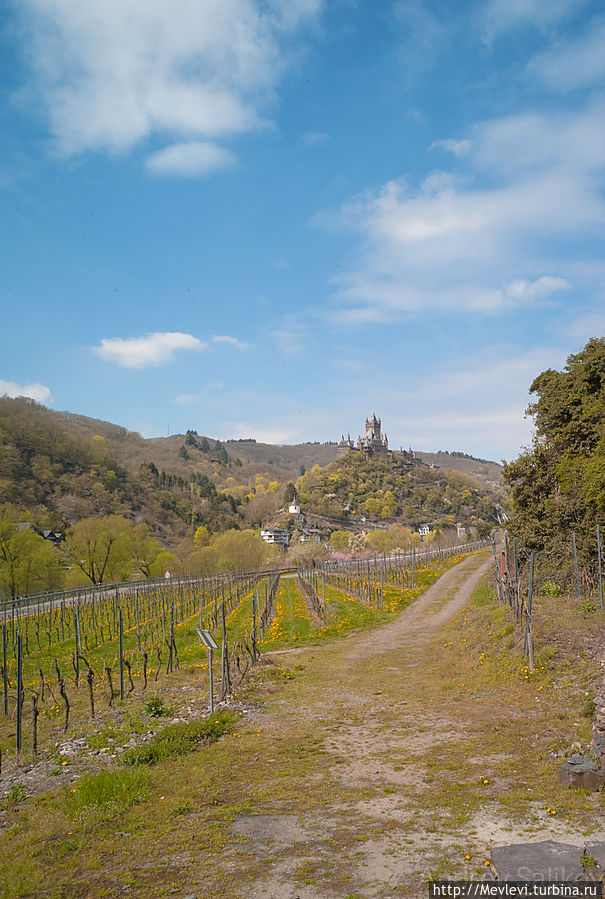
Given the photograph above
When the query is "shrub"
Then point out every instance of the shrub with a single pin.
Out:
(549, 588)
(588, 709)
(15, 796)
(178, 739)
(155, 707)
(588, 606)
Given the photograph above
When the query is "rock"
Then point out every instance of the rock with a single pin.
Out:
(581, 771)
(596, 851)
(547, 860)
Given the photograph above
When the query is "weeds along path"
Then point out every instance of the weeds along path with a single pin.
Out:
(360, 768)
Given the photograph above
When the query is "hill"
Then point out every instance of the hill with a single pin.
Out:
(483, 470)
(396, 487)
(60, 467)
(55, 469)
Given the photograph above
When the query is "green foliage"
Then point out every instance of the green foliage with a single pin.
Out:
(107, 793)
(183, 808)
(100, 547)
(28, 562)
(558, 484)
(155, 707)
(179, 739)
(549, 588)
(588, 708)
(15, 796)
(385, 487)
(66, 467)
(588, 606)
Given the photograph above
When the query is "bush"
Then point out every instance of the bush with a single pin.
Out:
(549, 588)
(178, 739)
(155, 707)
(588, 606)
(588, 709)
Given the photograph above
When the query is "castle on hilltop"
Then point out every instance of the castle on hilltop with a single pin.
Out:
(374, 443)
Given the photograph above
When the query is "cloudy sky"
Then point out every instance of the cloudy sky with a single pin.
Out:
(269, 217)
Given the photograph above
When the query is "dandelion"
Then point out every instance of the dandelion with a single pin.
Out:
(467, 857)
(486, 863)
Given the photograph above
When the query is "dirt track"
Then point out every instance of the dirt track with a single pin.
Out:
(361, 768)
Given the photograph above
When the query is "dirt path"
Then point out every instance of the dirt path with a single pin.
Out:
(362, 768)
(375, 747)
(401, 754)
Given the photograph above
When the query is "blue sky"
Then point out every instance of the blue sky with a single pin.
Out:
(269, 217)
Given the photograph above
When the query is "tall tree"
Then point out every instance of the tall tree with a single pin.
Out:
(100, 547)
(558, 484)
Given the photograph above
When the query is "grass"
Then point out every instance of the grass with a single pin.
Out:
(179, 739)
(106, 794)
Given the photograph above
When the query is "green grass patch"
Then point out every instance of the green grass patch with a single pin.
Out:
(179, 739)
(107, 793)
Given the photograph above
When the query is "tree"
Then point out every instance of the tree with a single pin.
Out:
(28, 563)
(100, 547)
(289, 493)
(389, 506)
(240, 550)
(379, 541)
(143, 550)
(357, 544)
(558, 484)
(339, 540)
(201, 537)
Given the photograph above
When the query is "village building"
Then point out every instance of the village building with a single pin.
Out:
(278, 536)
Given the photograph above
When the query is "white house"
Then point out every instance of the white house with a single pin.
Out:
(424, 530)
(280, 536)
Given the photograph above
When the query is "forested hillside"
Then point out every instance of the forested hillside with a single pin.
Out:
(388, 487)
(58, 468)
(60, 474)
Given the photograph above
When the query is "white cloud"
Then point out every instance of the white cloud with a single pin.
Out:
(187, 399)
(574, 64)
(275, 436)
(457, 147)
(312, 138)
(587, 325)
(152, 349)
(541, 287)
(38, 392)
(500, 16)
(109, 74)
(190, 159)
(231, 341)
(478, 408)
(491, 240)
(290, 340)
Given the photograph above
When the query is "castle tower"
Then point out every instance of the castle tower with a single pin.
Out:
(373, 426)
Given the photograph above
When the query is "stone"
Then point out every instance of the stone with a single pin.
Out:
(581, 771)
(547, 860)
(596, 851)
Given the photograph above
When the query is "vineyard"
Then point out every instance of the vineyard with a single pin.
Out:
(74, 662)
